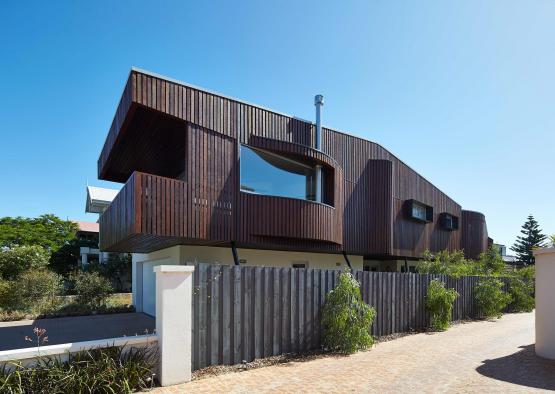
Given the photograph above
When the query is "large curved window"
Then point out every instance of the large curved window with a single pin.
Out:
(264, 172)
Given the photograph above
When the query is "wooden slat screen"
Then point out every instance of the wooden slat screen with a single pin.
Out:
(244, 313)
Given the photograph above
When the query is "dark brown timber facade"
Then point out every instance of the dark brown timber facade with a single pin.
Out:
(178, 149)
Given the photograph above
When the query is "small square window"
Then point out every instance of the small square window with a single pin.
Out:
(449, 222)
(420, 212)
(299, 264)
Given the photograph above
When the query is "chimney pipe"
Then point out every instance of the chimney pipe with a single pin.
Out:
(319, 103)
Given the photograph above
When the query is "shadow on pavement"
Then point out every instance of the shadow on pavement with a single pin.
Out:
(523, 368)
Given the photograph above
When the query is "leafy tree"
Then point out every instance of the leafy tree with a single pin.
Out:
(48, 231)
(532, 238)
(15, 260)
(439, 302)
(346, 319)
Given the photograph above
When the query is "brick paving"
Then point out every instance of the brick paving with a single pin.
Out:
(496, 356)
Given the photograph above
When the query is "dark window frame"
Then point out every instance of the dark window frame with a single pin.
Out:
(449, 222)
(429, 211)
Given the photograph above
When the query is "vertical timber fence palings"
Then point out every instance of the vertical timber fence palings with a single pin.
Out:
(243, 313)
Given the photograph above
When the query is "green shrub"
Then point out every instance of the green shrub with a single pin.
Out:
(490, 263)
(109, 370)
(447, 263)
(117, 270)
(91, 289)
(521, 292)
(34, 291)
(15, 260)
(5, 294)
(527, 274)
(439, 302)
(490, 297)
(346, 319)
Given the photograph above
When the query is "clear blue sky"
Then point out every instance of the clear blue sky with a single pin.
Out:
(462, 91)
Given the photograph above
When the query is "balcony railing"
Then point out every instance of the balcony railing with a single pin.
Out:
(151, 212)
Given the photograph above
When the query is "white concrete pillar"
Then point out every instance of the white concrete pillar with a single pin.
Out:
(174, 292)
(545, 307)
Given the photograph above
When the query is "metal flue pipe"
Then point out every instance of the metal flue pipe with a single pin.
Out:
(319, 103)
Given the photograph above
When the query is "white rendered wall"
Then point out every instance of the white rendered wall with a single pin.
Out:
(140, 261)
(266, 258)
(174, 292)
(143, 263)
(545, 305)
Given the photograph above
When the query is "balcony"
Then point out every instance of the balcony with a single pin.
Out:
(153, 212)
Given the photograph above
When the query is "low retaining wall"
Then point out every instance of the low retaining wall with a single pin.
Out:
(28, 356)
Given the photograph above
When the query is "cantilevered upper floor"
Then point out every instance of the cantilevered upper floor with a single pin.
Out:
(201, 168)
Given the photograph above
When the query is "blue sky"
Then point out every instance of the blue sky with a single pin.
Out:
(462, 91)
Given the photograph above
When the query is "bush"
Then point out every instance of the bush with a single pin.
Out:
(346, 319)
(521, 292)
(439, 302)
(447, 263)
(15, 260)
(34, 291)
(91, 289)
(490, 263)
(109, 370)
(490, 297)
(5, 294)
(117, 270)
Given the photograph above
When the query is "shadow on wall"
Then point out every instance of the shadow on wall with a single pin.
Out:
(523, 368)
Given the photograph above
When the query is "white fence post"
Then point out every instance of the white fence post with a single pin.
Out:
(174, 286)
(545, 307)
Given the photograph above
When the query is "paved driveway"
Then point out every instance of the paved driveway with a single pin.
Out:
(75, 329)
(474, 357)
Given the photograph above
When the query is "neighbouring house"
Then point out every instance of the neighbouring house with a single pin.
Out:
(507, 258)
(87, 240)
(209, 178)
(98, 199)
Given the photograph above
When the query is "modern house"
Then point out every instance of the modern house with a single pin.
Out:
(214, 179)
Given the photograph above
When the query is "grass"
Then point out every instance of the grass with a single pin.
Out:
(66, 306)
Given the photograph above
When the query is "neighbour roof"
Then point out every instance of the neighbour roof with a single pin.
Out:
(98, 198)
(89, 227)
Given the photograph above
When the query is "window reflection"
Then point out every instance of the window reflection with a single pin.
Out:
(264, 172)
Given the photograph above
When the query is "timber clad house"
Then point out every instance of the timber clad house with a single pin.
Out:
(208, 178)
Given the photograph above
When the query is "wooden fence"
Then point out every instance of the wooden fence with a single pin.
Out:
(243, 313)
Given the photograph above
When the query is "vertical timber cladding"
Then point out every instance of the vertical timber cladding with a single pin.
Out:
(211, 179)
(368, 210)
(474, 234)
(227, 118)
